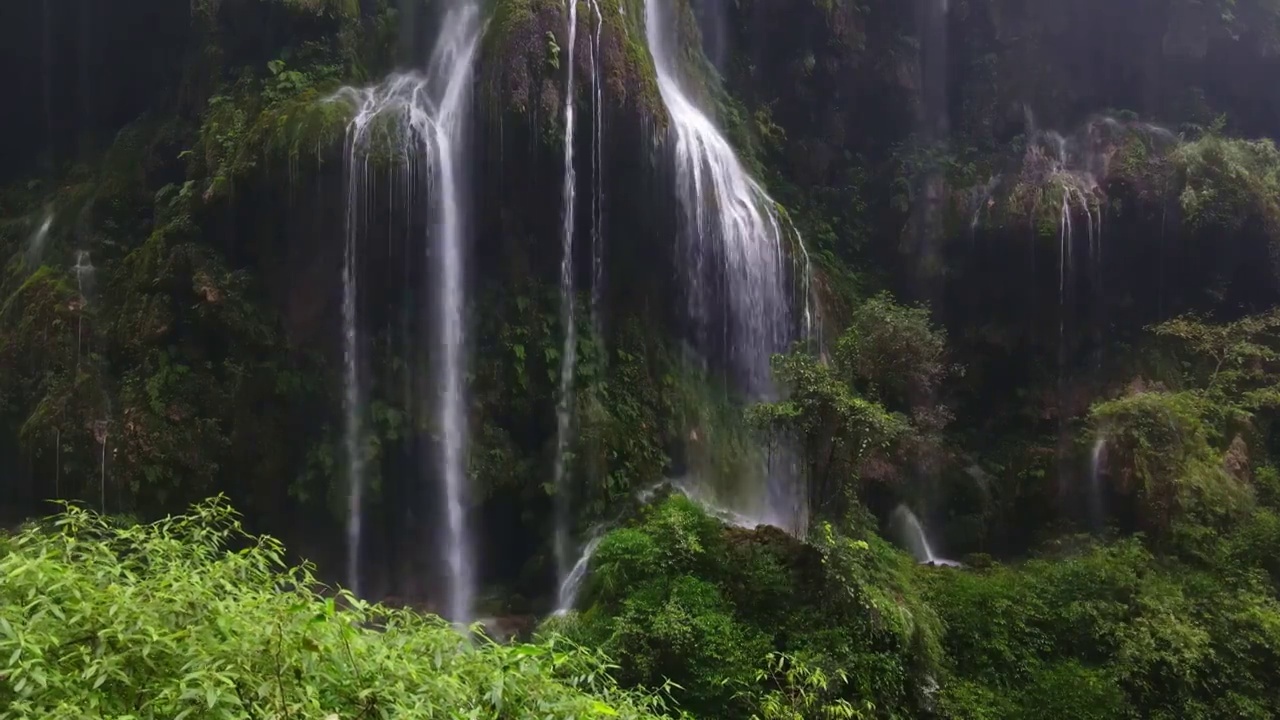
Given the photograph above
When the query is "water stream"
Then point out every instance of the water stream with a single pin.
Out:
(424, 117)
(1097, 462)
(734, 259)
(911, 533)
(36, 243)
(569, 353)
(597, 176)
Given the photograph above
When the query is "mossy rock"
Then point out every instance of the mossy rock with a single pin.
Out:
(1104, 157)
(524, 49)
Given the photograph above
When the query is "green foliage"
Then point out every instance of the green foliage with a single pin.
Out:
(284, 118)
(521, 58)
(1236, 364)
(1186, 454)
(1109, 633)
(1162, 453)
(802, 692)
(190, 617)
(1227, 184)
(754, 623)
(627, 407)
(875, 404)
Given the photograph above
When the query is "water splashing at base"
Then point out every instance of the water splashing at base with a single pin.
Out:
(571, 585)
(912, 535)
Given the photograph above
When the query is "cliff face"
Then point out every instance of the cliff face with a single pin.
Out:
(172, 226)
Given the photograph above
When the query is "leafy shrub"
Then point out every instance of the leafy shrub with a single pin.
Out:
(1112, 632)
(756, 623)
(191, 617)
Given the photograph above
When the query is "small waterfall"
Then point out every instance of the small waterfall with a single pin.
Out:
(357, 170)
(85, 275)
(734, 259)
(38, 239)
(571, 585)
(1097, 463)
(424, 116)
(100, 433)
(911, 533)
(569, 354)
(597, 178)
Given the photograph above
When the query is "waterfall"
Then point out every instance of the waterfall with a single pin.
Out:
(597, 178)
(734, 258)
(357, 166)
(38, 239)
(571, 585)
(85, 273)
(1097, 460)
(569, 354)
(424, 116)
(912, 534)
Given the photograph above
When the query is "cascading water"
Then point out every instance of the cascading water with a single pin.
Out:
(423, 115)
(353, 392)
(85, 274)
(568, 359)
(1097, 459)
(571, 585)
(569, 354)
(597, 178)
(38, 239)
(912, 535)
(1076, 166)
(734, 254)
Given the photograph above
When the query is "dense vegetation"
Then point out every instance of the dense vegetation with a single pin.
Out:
(190, 617)
(1046, 241)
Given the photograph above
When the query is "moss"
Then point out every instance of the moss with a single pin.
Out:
(1159, 443)
(629, 70)
(1229, 183)
(256, 126)
(682, 598)
(524, 43)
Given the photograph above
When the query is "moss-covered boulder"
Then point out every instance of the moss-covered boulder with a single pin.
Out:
(680, 597)
(524, 53)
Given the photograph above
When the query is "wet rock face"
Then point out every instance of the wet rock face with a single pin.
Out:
(509, 628)
(66, 96)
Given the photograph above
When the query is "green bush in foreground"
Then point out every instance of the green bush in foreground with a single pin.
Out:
(192, 618)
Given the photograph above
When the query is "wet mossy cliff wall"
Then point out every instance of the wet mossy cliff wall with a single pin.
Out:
(173, 211)
(173, 227)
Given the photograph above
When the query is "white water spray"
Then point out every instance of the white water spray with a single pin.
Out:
(733, 253)
(1097, 461)
(912, 535)
(571, 585)
(597, 177)
(569, 354)
(85, 274)
(425, 115)
(38, 240)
